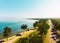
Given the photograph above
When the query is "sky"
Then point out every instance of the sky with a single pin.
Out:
(29, 9)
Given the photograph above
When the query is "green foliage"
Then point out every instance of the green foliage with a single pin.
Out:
(37, 36)
(42, 26)
(36, 24)
(24, 26)
(56, 23)
(34, 38)
(6, 31)
(34, 34)
(43, 20)
(23, 40)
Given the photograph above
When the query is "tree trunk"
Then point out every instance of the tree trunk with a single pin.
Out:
(41, 38)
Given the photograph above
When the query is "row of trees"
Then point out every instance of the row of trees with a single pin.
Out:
(56, 24)
(42, 27)
(38, 36)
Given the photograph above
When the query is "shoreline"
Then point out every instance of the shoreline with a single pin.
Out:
(13, 33)
(14, 38)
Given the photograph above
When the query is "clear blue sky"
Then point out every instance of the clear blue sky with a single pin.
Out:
(29, 8)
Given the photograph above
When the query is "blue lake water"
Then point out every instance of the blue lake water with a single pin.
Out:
(16, 26)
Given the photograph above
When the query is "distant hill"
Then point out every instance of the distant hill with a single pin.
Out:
(37, 18)
(40, 18)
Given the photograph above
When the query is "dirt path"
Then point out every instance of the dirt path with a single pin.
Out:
(48, 38)
(14, 38)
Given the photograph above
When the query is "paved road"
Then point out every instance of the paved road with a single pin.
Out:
(51, 27)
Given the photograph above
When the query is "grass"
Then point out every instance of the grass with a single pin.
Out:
(24, 36)
(32, 38)
(47, 38)
(58, 32)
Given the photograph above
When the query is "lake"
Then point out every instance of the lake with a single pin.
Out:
(16, 26)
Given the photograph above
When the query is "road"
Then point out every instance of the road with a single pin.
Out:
(51, 32)
(14, 38)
